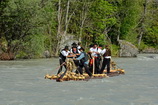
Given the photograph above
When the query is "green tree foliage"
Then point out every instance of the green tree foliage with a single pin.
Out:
(29, 27)
(101, 20)
(25, 25)
(130, 15)
(18, 22)
(3, 5)
(49, 27)
(151, 25)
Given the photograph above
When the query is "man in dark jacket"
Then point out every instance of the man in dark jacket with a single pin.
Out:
(106, 59)
(83, 58)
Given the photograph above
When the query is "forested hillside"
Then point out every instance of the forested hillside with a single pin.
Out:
(30, 27)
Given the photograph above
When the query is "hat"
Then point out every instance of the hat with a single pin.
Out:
(66, 48)
(81, 48)
(74, 44)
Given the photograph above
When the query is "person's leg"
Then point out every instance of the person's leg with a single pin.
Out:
(87, 70)
(108, 66)
(76, 62)
(100, 63)
(91, 65)
(63, 74)
(103, 66)
(97, 63)
(80, 70)
(61, 66)
(77, 65)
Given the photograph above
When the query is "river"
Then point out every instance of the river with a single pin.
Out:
(22, 83)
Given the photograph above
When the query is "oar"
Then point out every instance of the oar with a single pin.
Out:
(57, 68)
(93, 65)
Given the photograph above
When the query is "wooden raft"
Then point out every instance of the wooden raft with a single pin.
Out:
(76, 77)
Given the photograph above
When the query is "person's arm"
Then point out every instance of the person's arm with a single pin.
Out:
(80, 57)
(103, 51)
(99, 50)
(67, 54)
(79, 52)
(71, 54)
(90, 50)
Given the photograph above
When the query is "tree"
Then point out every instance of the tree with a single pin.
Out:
(66, 10)
(130, 15)
(150, 36)
(102, 18)
(3, 5)
(18, 24)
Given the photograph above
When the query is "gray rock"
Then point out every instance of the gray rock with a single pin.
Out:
(47, 54)
(67, 41)
(127, 49)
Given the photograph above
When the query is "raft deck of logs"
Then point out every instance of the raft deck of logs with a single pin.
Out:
(76, 77)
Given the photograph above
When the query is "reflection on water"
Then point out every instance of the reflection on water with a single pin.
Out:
(22, 83)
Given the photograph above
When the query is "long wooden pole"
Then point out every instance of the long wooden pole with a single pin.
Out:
(93, 65)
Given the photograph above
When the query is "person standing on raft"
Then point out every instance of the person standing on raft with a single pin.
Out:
(62, 57)
(95, 53)
(106, 59)
(83, 58)
(76, 52)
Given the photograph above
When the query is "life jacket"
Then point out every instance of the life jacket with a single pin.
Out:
(107, 53)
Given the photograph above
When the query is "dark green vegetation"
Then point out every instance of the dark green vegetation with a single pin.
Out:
(30, 27)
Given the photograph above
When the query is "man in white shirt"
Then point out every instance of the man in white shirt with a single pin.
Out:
(75, 51)
(106, 59)
(62, 57)
(101, 57)
(95, 53)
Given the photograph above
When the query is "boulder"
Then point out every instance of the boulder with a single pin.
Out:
(46, 54)
(127, 49)
(67, 41)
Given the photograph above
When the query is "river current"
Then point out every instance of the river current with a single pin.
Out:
(22, 83)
